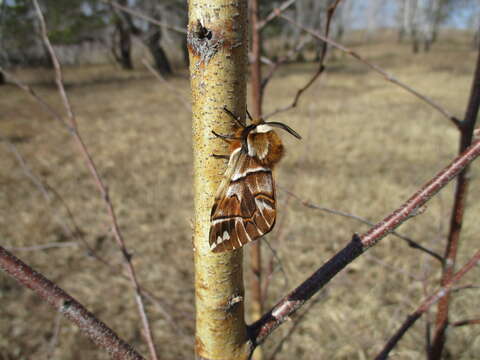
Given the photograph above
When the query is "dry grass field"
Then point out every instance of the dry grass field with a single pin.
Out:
(367, 146)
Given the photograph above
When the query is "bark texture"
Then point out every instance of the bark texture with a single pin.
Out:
(217, 42)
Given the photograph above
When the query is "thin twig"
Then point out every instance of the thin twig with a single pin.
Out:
(55, 245)
(271, 265)
(28, 89)
(393, 268)
(52, 344)
(46, 189)
(262, 328)
(321, 63)
(274, 13)
(466, 322)
(274, 66)
(426, 304)
(101, 187)
(465, 287)
(145, 17)
(408, 240)
(298, 321)
(457, 214)
(387, 76)
(178, 94)
(96, 330)
(76, 233)
(272, 269)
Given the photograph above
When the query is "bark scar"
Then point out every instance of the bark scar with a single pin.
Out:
(204, 41)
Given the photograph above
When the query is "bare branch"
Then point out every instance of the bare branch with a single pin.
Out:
(44, 246)
(408, 240)
(465, 287)
(96, 330)
(100, 185)
(177, 93)
(466, 322)
(274, 66)
(145, 17)
(274, 13)
(261, 329)
(295, 325)
(426, 304)
(45, 189)
(387, 76)
(28, 89)
(456, 218)
(321, 62)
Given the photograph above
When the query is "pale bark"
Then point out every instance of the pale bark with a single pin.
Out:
(217, 41)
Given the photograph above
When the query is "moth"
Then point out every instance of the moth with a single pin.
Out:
(245, 207)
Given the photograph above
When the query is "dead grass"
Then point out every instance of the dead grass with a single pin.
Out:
(367, 146)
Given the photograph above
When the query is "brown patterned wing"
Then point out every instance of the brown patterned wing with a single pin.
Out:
(244, 207)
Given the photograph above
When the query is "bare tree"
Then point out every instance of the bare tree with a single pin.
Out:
(122, 37)
(373, 10)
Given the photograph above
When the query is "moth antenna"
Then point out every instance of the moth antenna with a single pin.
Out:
(235, 118)
(284, 127)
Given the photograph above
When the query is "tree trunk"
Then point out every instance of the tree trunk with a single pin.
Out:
(122, 38)
(217, 42)
(124, 55)
(158, 54)
(426, 45)
(185, 55)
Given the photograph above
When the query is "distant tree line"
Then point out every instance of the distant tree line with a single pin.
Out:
(117, 32)
(76, 22)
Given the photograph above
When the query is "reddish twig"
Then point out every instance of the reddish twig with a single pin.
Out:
(465, 322)
(96, 330)
(321, 63)
(28, 89)
(45, 189)
(100, 185)
(261, 329)
(439, 294)
(461, 190)
(408, 240)
(387, 76)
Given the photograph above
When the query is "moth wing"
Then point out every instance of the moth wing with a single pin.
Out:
(244, 207)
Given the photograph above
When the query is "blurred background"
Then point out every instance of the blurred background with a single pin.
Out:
(367, 146)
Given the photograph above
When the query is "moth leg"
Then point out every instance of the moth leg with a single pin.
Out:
(249, 116)
(234, 117)
(227, 138)
(217, 156)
